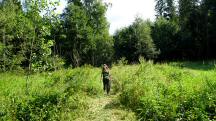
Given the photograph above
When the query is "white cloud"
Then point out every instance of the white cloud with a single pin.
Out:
(123, 12)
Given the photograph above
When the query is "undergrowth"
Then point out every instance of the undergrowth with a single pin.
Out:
(59, 95)
(164, 92)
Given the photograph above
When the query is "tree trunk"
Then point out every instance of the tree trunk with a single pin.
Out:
(30, 62)
(54, 54)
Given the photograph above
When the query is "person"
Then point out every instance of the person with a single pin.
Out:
(106, 78)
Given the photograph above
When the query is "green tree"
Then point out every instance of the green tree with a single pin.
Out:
(38, 42)
(9, 10)
(192, 24)
(208, 11)
(165, 8)
(159, 7)
(135, 41)
(165, 36)
(25, 35)
(86, 29)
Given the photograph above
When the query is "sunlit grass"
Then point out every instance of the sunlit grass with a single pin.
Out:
(172, 91)
(169, 91)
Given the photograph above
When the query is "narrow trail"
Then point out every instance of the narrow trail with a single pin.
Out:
(107, 108)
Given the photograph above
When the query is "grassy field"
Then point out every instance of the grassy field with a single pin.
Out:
(171, 91)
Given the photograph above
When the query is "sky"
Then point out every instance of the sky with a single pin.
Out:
(123, 12)
(62, 4)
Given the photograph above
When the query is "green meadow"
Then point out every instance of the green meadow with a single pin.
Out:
(161, 92)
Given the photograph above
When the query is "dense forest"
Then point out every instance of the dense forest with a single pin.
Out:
(34, 37)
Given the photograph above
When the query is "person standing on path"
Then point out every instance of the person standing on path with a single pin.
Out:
(106, 78)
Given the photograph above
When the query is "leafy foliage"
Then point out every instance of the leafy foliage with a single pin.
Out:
(86, 34)
(165, 36)
(192, 33)
(135, 41)
(24, 36)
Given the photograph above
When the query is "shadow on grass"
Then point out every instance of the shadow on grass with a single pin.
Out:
(115, 104)
(198, 65)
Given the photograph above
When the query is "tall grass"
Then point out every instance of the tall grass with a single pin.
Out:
(60, 95)
(172, 91)
(167, 92)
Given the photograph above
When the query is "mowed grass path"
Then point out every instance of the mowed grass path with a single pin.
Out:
(106, 108)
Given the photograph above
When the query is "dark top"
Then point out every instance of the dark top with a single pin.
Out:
(105, 75)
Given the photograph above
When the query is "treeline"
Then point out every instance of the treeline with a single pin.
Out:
(188, 32)
(33, 36)
(183, 30)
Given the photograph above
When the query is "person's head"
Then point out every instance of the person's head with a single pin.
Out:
(105, 67)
